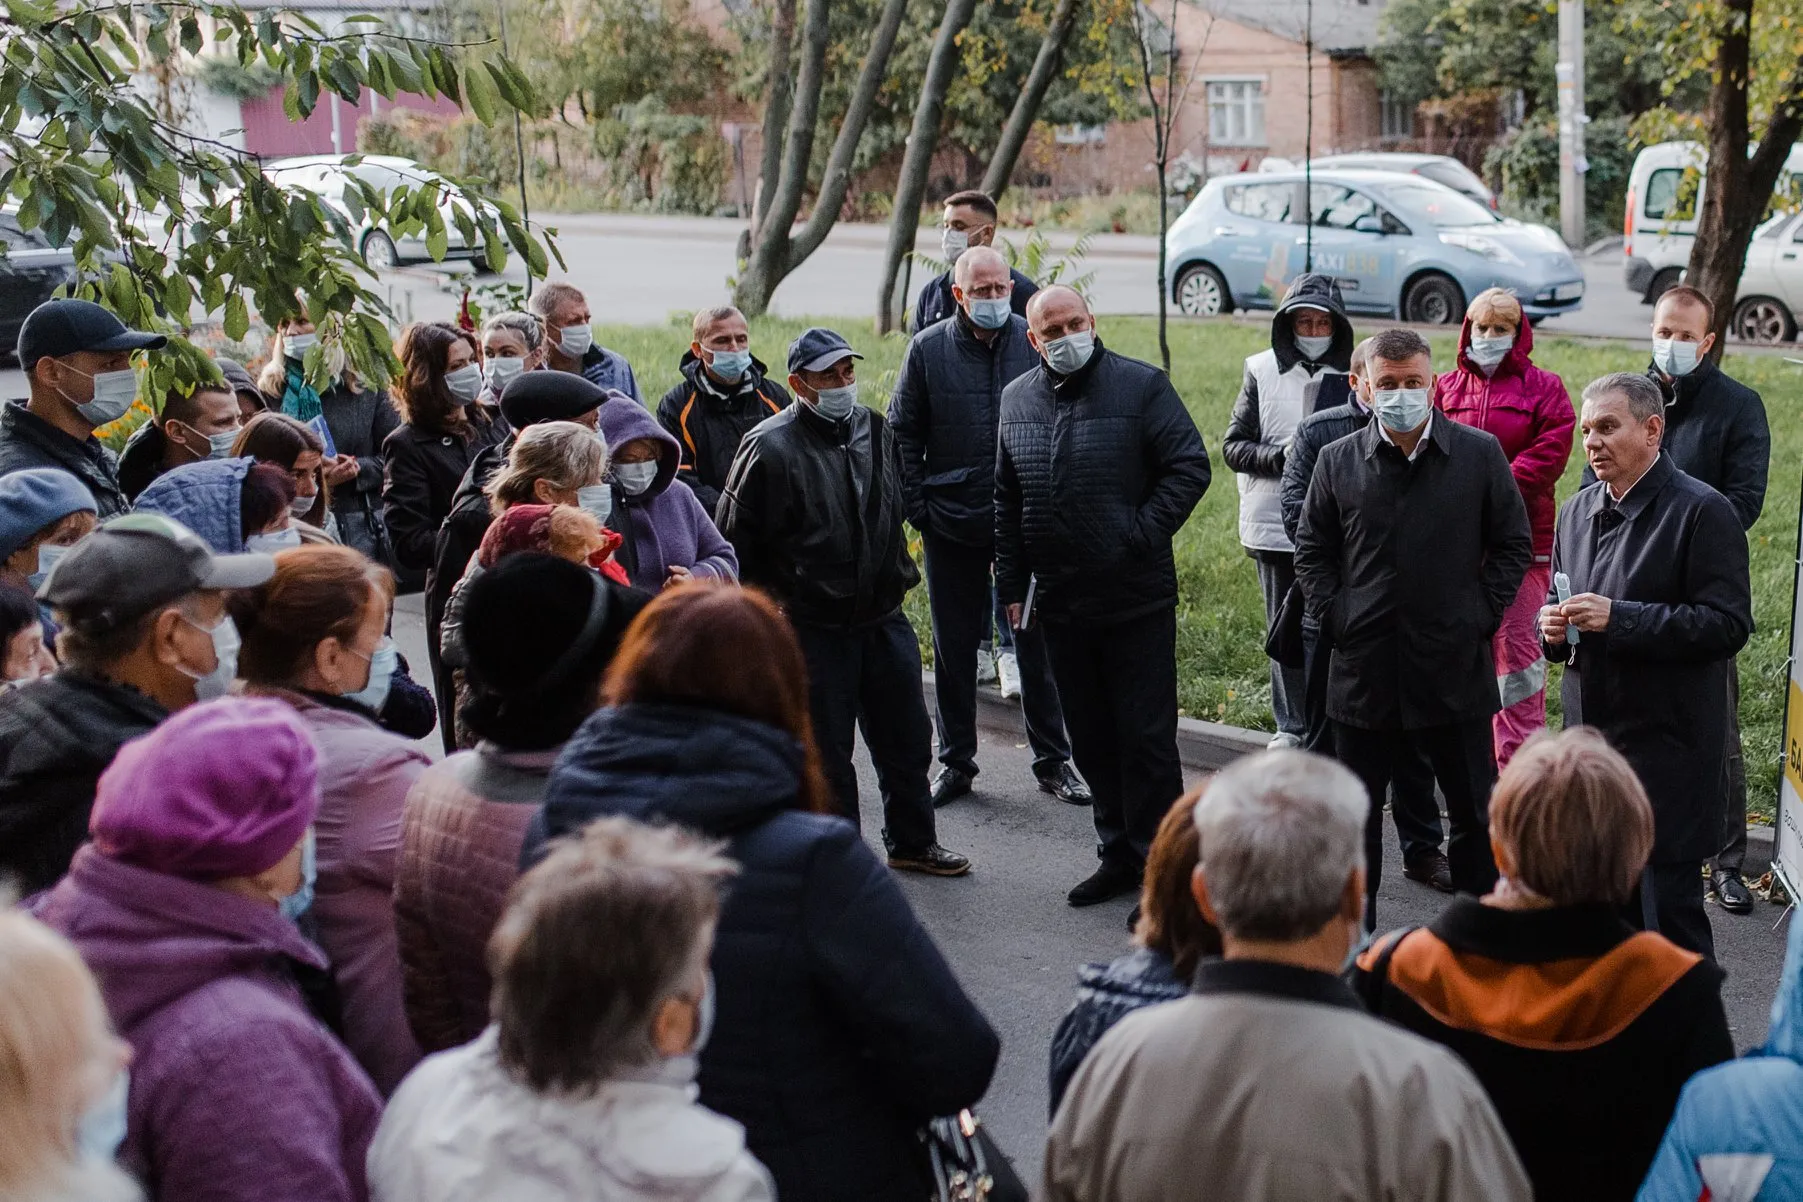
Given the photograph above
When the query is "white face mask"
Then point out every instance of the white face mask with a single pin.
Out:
(635, 478)
(502, 370)
(1672, 357)
(1313, 348)
(1401, 409)
(953, 243)
(464, 384)
(210, 686)
(1488, 352)
(296, 346)
(300, 507)
(573, 342)
(269, 544)
(597, 500)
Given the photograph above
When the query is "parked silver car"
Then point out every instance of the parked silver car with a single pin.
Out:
(327, 175)
(1441, 168)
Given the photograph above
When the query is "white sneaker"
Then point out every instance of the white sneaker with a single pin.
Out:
(1007, 670)
(985, 667)
(1283, 740)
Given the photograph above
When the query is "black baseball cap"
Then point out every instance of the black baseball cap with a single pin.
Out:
(136, 563)
(67, 327)
(818, 349)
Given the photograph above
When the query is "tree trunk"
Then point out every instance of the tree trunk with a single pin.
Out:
(1738, 187)
(770, 248)
(776, 110)
(1026, 105)
(917, 163)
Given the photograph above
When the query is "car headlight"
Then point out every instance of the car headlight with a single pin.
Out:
(1477, 244)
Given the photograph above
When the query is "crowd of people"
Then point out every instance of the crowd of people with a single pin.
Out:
(624, 938)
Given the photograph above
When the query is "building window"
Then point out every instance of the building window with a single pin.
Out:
(1236, 112)
(1396, 116)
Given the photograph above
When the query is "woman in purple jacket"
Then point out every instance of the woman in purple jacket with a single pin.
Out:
(669, 537)
(239, 1092)
(314, 637)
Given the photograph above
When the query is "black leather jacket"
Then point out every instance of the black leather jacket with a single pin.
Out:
(814, 510)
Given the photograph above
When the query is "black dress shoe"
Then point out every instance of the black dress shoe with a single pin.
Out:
(1109, 881)
(1430, 868)
(1063, 783)
(932, 859)
(1732, 892)
(949, 785)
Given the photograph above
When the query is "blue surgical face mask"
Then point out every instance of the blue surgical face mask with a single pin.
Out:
(1676, 358)
(731, 366)
(635, 478)
(301, 900)
(836, 403)
(296, 346)
(1488, 352)
(100, 1131)
(574, 341)
(114, 391)
(1401, 409)
(1068, 354)
(374, 693)
(48, 554)
(989, 312)
(210, 686)
(269, 544)
(597, 500)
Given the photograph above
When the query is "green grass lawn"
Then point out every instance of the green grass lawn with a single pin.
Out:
(1222, 672)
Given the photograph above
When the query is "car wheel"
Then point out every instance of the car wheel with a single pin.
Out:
(1201, 292)
(379, 253)
(1433, 300)
(1662, 283)
(1762, 319)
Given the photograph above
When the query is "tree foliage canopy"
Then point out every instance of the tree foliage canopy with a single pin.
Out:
(166, 224)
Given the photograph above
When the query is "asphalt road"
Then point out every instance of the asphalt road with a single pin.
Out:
(645, 270)
(1016, 944)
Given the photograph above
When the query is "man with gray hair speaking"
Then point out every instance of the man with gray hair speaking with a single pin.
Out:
(1270, 1042)
(1658, 601)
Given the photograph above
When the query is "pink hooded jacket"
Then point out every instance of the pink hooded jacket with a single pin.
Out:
(1527, 410)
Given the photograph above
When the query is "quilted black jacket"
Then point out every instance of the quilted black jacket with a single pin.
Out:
(1315, 433)
(944, 412)
(1095, 474)
(814, 509)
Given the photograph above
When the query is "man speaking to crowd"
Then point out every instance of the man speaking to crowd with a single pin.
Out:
(1660, 602)
(1098, 465)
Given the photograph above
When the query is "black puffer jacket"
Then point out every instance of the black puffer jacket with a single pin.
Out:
(840, 1028)
(1317, 431)
(814, 510)
(57, 735)
(946, 404)
(710, 426)
(1096, 472)
(1107, 993)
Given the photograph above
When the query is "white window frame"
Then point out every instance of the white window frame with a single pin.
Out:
(1393, 113)
(1241, 111)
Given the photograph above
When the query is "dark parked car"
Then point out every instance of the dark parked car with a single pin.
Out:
(29, 272)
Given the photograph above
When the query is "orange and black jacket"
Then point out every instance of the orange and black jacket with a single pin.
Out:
(1581, 1029)
(709, 427)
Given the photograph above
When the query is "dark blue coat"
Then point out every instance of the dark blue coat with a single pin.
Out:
(840, 1028)
(1107, 993)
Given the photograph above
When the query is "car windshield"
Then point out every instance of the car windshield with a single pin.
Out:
(1442, 207)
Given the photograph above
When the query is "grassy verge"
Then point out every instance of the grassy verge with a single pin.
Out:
(1222, 671)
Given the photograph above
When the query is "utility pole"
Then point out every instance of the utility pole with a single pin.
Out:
(1569, 72)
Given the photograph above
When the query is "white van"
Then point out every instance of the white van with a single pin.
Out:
(1665, 190)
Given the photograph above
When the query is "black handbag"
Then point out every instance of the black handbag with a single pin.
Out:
(1283, 642)
(967, 1166)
